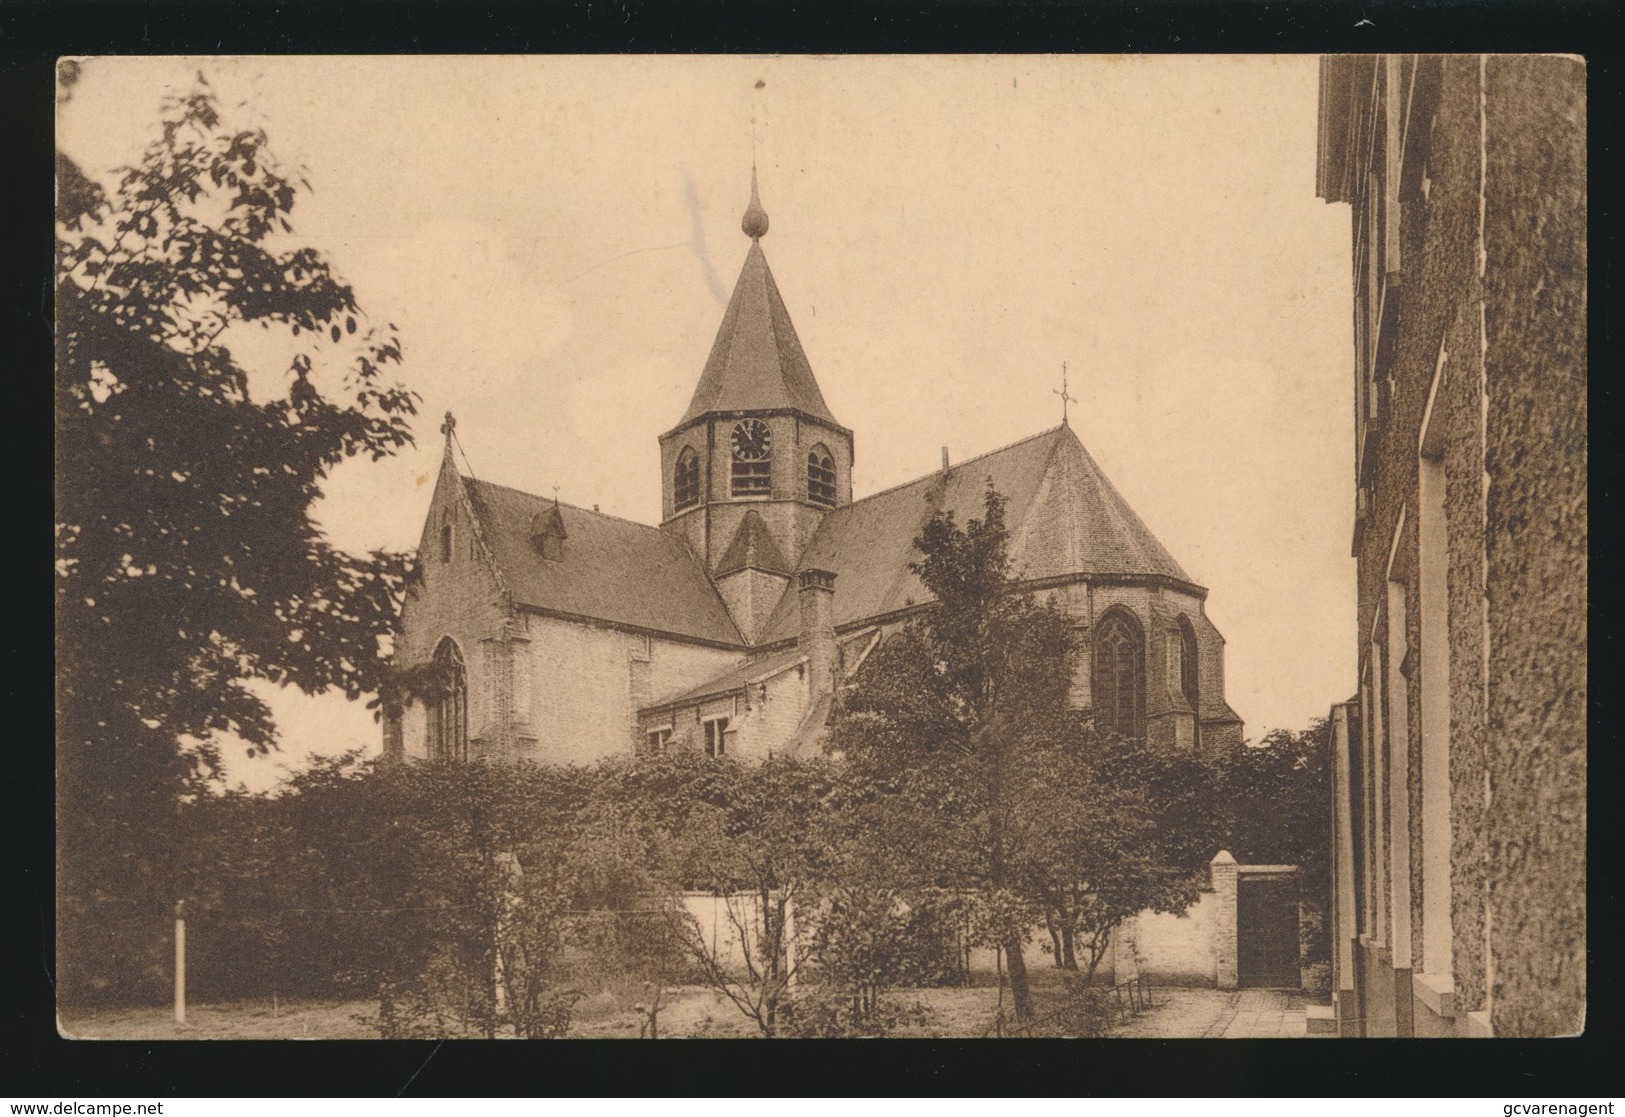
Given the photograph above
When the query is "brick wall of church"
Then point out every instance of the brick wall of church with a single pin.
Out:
(758, 724)
(1157, 611)
(459, 598)
(710, 528)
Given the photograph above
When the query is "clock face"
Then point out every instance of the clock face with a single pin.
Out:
(752, 440)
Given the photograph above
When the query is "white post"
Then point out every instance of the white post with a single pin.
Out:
(180, 962)
(791, 978)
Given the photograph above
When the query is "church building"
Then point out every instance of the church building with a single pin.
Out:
(562, 635)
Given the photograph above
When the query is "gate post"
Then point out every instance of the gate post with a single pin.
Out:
(1222, 871)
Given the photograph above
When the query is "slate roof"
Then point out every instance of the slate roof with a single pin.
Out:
(733, 679)
(1063, 515)
(753, 548)
(757, 362)
(613, 569)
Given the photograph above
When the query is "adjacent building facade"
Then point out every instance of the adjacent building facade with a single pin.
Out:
(1460, 810)
(552, 633)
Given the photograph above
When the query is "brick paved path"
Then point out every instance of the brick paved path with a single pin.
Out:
(1180, 1013)
(1268, 1014)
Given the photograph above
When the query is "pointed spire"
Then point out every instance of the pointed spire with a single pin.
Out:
(755, 219)
(756, 361)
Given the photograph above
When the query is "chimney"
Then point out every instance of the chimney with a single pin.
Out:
(816, 640)
(945, 461)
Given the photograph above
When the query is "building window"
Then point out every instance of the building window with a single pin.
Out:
(1119, 674)
(448, 713)
(686, 480)
(445, 538)
(752, 444)
(821, 477)
(656, 740)
(716, 731)
(1189, 679)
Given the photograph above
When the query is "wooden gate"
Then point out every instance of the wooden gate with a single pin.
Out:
(1267, 932)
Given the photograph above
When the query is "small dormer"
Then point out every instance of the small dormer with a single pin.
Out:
(547, 534)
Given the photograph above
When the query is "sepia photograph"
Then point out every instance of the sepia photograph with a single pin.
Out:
(770, 546)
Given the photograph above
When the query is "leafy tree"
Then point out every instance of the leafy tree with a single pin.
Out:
(756, 837)
(949, 713)
(1111, 842)
(187, 560)
(986, 779)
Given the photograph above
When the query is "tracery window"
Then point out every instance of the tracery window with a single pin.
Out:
(686, 479)
(448, 712)
(1119, 674)
(1189, 677)
(821, 476)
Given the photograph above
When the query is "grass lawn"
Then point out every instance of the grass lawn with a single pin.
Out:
(689, 1011)
(232, 1020)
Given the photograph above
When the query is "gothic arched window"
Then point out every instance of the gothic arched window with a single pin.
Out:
(445, 536)
(1189, 680)
(685, 479)
(821, 476)
(1119, 674)
(448, 712)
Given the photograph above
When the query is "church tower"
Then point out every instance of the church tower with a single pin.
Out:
(757, 459)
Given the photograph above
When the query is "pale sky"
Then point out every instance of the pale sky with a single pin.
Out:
(556, 238)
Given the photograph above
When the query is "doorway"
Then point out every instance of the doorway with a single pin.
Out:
(1267, 932)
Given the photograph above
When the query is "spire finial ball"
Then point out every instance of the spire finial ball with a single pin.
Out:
(755, 220)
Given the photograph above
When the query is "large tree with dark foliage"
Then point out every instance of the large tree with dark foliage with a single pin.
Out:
(187, 559)
(981, 774)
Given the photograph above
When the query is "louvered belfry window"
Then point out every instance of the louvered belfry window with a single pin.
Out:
(752, 472)
(686, 480)
(821, 477)
(1119, 675)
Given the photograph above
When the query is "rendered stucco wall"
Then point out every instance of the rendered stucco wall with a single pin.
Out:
(1504, 154)
(581, 675)
(1535, 240)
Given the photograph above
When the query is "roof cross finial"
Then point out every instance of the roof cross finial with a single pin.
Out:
(555, 496)
(448, 426)
(1066, 397)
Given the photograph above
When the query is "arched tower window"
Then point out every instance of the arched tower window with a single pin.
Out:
(1119, 674)
(448, 713)
(1189, 678)
(445, 536)
(821, 476)
(685, 482)
(752, 446)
